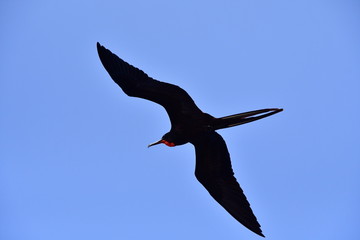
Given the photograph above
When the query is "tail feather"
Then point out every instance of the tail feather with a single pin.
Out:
(242, 118)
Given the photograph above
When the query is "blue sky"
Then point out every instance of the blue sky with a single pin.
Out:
(73, 157)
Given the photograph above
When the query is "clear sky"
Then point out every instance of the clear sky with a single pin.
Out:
(74, 162)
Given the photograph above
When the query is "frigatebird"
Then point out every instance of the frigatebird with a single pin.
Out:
(190, 125)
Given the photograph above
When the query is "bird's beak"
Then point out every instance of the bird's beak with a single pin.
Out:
(156, 143)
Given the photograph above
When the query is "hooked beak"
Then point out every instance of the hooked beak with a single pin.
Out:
(156, 143)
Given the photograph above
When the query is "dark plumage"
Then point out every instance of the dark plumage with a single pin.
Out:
(190, 124)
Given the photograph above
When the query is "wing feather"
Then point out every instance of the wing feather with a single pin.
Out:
(214, 172)
(135, 83)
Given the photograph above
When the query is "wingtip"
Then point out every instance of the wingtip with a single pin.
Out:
(102, 51)
(98, 45)
(257, 231)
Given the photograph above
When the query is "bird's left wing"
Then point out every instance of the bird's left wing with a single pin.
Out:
(214, 172)
(135, 83)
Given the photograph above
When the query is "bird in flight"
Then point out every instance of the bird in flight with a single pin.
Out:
(190, 125)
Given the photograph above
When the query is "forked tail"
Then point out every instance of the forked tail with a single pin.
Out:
(242, 118)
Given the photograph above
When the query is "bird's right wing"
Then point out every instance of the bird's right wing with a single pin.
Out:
(135, 83)
(214, 172)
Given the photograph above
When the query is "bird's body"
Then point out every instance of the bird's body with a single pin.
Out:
(190, 124)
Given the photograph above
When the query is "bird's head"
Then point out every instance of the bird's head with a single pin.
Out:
(170, 139)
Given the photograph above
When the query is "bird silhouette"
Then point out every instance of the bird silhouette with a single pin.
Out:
(190, 125)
